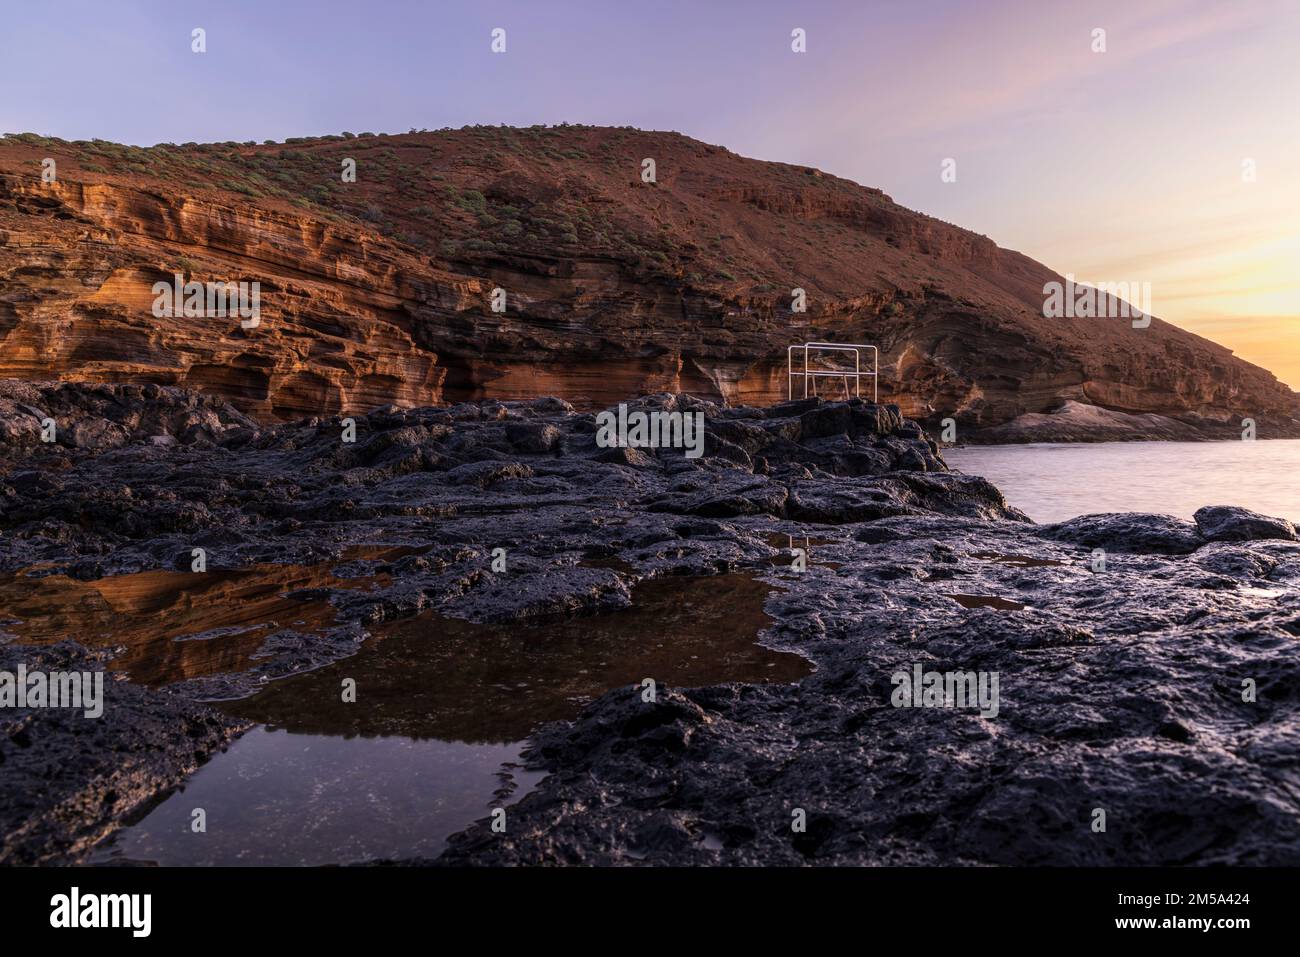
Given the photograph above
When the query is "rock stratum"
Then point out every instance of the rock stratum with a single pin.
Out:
(1121, 684)
(378, 291)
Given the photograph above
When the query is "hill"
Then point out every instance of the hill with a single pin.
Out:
(378, 291)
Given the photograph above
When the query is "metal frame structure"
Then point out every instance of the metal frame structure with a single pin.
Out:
(810, 375)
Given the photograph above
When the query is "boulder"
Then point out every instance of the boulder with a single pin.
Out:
(1229, 523)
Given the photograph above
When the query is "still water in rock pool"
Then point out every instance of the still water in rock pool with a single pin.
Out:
(434, 740)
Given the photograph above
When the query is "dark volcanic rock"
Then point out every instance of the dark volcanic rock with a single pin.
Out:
(106, 416)
(533, 436)
(1121, 689)
(1127, 532)
(1228, 523)
(1106, 702)
(70, 779)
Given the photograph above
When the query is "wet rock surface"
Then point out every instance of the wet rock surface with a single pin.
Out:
(1120, 689)
(1128, 532)
(1228, 523)
(70, 780)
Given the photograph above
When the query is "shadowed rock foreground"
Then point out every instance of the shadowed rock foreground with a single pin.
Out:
(1121, 683)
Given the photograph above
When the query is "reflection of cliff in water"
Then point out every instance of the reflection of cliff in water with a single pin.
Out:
(433, 677)
(176, 625)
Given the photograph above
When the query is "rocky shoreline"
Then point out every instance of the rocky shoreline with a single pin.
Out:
(1080, 422)
(1121, 680)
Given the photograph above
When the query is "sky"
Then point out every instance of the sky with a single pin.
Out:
(1171, 158)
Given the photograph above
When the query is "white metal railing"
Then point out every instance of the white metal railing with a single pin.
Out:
(810, 375)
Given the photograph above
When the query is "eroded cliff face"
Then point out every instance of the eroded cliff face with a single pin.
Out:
(379, 291)
(336, 331)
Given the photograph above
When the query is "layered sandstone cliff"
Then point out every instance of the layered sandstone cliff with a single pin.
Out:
(379, 291)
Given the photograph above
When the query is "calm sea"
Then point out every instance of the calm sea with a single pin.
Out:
(1051, 482)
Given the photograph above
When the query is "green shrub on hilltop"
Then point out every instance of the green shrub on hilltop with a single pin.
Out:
(31, 139)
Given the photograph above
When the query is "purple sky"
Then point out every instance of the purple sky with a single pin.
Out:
(1116, 166)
